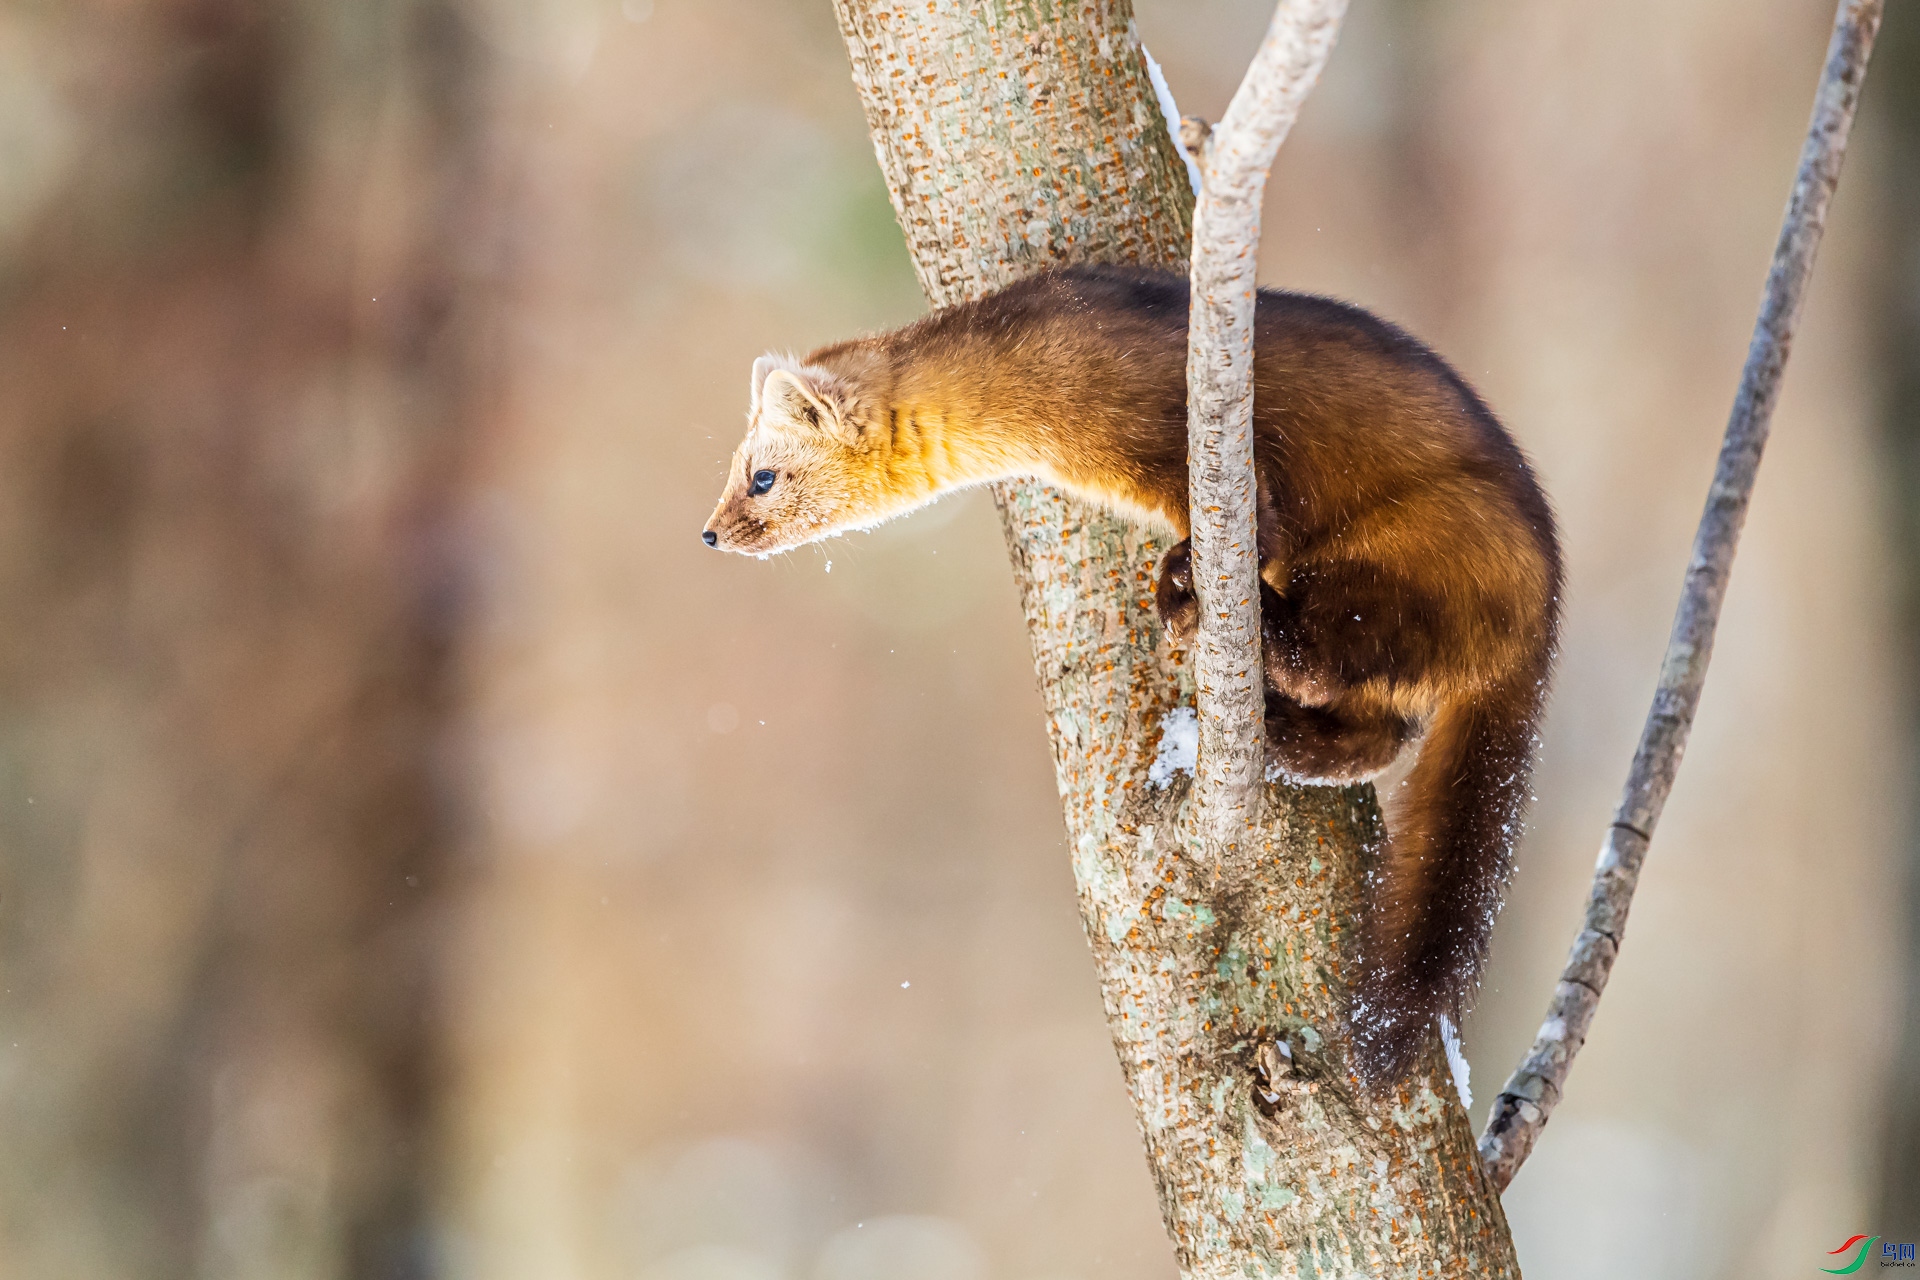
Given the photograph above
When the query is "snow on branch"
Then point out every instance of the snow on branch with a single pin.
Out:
(1529, 1097)
(1233, 163)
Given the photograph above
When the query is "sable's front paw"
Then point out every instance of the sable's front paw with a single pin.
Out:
(1179, 611)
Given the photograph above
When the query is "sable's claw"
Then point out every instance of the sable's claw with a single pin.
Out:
(1179, 611)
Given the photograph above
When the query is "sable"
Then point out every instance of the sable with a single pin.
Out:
(1410, 570)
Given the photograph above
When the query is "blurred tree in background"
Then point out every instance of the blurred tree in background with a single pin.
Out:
(240, 347)
(1896, 302)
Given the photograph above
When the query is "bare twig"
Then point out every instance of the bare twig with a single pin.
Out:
(1226, 561)
(1530, 1096)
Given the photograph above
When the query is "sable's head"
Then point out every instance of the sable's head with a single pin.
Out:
(805, 470)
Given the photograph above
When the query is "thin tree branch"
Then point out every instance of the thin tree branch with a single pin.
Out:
(1221, 488)
(1530, 1096)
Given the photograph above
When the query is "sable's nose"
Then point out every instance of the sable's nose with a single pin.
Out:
(710, 538)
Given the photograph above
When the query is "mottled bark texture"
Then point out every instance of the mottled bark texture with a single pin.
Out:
(1016, 135)
(1230, 685)
(1536, 1086)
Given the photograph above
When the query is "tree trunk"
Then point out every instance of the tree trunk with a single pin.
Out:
(1016, 135)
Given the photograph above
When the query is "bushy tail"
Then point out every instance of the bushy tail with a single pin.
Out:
(1432, 897)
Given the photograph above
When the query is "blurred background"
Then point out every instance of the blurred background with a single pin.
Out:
(419, 857)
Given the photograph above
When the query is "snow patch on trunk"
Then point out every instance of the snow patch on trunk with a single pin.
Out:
(1179, 746)
(1457, 1061)
(1170, 110)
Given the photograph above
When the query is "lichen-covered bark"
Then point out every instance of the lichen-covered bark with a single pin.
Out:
(1017, 134)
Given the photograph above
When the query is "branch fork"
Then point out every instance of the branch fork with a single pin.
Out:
(1199, 960)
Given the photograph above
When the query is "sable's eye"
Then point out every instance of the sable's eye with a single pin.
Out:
(762, 481)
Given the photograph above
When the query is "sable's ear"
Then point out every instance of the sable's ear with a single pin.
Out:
(804, 396)
(765, 365)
